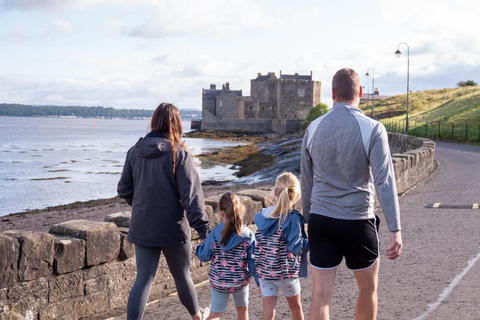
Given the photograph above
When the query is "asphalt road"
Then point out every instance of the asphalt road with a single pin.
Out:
(438, 274)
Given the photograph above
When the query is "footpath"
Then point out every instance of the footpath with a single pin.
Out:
(438, 274)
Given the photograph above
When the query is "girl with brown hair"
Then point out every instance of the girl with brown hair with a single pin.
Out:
(229, 247)
(160, 182)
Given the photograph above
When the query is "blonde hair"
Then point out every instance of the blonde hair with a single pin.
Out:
(233, 209)
(287, 191)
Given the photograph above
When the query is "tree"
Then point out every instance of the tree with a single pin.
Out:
(315, 112)
(468, 83)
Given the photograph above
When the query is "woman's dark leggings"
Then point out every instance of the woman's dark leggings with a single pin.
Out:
(178, 260)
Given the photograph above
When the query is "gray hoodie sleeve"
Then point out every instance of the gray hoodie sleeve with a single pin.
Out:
(191, 194)
(306, 172)
(384, 177)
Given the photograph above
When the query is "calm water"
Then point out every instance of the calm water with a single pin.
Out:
(51, 161)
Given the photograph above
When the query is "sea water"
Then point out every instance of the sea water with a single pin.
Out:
(52, 161)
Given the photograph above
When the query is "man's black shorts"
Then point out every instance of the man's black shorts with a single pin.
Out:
(332, 239)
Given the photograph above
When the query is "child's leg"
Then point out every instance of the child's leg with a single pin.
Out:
(269, 305)
(242, 313)
(219, 303)
(295, 304)
(291, 290)
(269, 298)
(241, 303)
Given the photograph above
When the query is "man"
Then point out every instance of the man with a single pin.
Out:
(345, 158)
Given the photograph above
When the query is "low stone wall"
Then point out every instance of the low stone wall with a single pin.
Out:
(84, 269)
(413, 159)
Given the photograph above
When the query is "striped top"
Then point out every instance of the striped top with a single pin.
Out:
(345, 159)
(273, 261)
(229, 269)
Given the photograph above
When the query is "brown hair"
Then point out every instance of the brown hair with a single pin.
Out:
(346, 84)
(287, 190)
(233, 208)
(166, 120)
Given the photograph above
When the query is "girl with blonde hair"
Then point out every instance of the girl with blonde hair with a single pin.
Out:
(281, 247)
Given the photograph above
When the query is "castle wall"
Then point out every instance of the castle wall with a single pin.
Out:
(208, 106)
(296, 98)
(226, 105)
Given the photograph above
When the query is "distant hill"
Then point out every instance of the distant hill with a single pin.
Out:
(459, 106)
(21, 110)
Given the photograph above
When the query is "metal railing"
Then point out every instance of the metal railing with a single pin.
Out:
(440, 130)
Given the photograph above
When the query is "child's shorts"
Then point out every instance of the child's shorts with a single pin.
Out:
(220, 299)
(290, 287)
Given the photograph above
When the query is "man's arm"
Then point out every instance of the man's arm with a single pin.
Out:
(306, 172)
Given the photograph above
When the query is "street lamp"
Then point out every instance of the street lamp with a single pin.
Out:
(368, 89)
(398, 53)
(373, 85)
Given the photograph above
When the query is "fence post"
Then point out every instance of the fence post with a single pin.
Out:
(478, 133)
(426, 129)
(466, 132)
(438, 132)
(452, 132)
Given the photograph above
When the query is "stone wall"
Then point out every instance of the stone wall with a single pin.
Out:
(413, 159)
(84, 269)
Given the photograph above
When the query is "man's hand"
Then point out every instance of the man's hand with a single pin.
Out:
(395, 248)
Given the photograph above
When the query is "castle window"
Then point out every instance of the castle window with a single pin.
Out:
(220, 103)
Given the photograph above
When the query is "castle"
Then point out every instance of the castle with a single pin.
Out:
(276, 104)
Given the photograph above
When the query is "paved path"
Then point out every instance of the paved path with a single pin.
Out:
(438, 274)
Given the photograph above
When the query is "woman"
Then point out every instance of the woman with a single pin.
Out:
(160, 182)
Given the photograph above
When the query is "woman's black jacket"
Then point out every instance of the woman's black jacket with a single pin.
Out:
(164, 204)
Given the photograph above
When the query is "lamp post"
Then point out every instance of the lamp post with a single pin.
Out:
(373, 85)
(398, 53)
(368, 89)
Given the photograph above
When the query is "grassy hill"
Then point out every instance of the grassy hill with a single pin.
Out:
(432, 112)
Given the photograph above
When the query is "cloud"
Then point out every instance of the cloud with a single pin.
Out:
(51, 5)
(183, 17)
(60, 27)
(16, 36)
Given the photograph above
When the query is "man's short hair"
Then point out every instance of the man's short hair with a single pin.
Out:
(346, 84)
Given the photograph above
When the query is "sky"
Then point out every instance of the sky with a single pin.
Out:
(136, 54)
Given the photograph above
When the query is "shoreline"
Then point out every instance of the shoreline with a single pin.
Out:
(42, 219)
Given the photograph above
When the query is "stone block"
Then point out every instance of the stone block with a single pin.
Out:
(265, 197)
(25, 299)
(69, 255)
(65, 286)
(120, 281)
(251, 206)
(90, 305)
(211, 215)
(127, 249)
(9, 253)
(102, 238)
(36, 254)
(121, 219)
(62, 310)
(96, 285)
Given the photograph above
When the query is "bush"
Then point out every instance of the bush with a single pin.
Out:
(468, 83)
(315, 112)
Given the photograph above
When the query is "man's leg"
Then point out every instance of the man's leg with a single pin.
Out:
(323, 282)
(367, 281)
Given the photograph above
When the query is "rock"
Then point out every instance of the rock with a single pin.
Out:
(36, 254)
(102, 238)
(121, 219)
(65, 286)
(265, 197)
(69, 255)
(127, 249)
(95, 303)
(251, 206)
(9, 253)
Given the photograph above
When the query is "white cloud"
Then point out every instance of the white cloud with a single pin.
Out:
(15, 36)
(60, 27)
(182, 17)
(49, 5)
